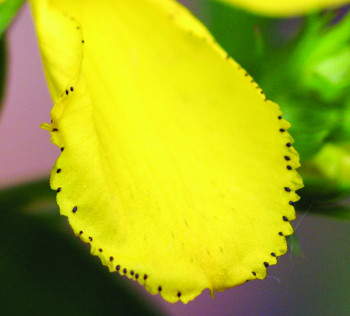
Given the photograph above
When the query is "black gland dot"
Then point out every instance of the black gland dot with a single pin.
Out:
(266, 264)
(132, 272)
(118, 267)
(289, 167)
(75, 208)
(291, 203)
(83, 41)
(136, 276)
(285, 218)
(287, 189)
(273, 254)
(62, 148)
(55, 130)
(145, 277)
(289, 145)
(71, 89)
(287, 158)
(81, 232)
(125, 271)
(58, 170)
(178, 294)
(90, 238)
(282, 130)
(254, 273)
(59, 189)
(100, 250)
(159, 289)
(280, 117)
(67, 92)
(111, 258)
(280, 233)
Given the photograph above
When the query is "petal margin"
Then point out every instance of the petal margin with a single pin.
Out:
(174, 166)
(284, 8)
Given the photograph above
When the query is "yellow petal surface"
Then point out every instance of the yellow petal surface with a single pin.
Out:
(174, 166)
(282, 8)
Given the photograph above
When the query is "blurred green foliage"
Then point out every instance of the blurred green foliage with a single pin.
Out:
(45, 271)
(8, 10)
(304, 65)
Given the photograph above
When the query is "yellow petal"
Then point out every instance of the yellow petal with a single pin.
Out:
(281, 8)
(174, 164)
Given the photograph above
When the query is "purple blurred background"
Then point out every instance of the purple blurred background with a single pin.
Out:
(318, 284)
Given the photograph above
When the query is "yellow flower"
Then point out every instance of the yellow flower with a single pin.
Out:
(285, 7)
(174, 166)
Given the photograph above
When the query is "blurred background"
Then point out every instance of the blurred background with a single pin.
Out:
(45, 270)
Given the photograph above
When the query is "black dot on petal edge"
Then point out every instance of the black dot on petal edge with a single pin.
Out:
(145, 277)
(273, 254)
(136, 276)
(71, 89)
(159, 288)
(62, 148)
(287, 189)
(254, 273)
(118, 267)
(289, 145)
(285, 218)
(280, 117)
(100, 250)
(58, 170)
(287, 158)
(75, 208)
(266, 264)
(81, 232)
(178, 294)
(90, 238)
(58, 190)
(291, 203)
(125, 270)
(289, 168)
(280, 233)
(282, 130)
(111, 258)
(132, 272)
(55, 130)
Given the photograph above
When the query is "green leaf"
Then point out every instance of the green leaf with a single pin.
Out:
(239, 32)
(44, 268)
(8, 10)
(338, 209)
